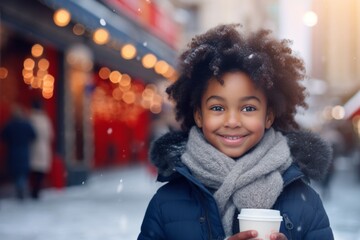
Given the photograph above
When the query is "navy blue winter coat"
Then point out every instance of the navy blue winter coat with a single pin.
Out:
(184, 209)
(18, 134)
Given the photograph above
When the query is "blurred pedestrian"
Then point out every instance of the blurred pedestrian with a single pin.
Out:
(335, 139)
(18, 134)
(41, 150)
(236, 97)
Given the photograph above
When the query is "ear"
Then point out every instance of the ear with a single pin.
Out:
(198, 118)
(270, 117)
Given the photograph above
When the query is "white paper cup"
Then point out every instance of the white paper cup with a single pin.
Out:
(265, 221)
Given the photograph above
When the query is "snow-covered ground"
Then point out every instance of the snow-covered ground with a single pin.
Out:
(111, 205)
(343, 206)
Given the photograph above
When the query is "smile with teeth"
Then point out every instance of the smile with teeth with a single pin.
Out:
(232, 139)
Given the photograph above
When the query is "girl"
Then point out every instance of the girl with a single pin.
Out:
(240, 147)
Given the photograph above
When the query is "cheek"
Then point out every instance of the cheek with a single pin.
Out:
(255, 125)
(211, 122)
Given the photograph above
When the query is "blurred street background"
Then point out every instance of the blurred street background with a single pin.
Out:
(88, 76)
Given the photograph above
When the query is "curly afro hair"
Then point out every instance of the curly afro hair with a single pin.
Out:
(270, 64)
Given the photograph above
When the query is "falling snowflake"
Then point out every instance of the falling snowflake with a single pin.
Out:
(102, 22)
(120, 186)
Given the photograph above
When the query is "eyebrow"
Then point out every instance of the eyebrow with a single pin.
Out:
(246, 98)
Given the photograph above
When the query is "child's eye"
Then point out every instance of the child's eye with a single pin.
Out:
(217, 108)
(248, 109)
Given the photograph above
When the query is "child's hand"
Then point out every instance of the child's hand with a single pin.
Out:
(253, 234)
(278, 236)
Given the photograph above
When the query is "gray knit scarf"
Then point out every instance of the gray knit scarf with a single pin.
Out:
(251, 181)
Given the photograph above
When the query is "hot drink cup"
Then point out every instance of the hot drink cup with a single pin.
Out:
(264, 221)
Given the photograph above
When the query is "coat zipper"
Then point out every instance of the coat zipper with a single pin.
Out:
(288, 225)
(206, 216)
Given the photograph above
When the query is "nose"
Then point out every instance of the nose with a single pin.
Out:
(233, 119)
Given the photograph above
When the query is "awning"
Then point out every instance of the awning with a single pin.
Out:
(352, 106)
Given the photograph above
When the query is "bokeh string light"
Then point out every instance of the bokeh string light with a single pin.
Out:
(117, 96)
(35, 72)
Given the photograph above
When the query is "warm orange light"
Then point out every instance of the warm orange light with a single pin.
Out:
(117, 94)
(41, 73)
(149, 60)
(27, 73)
(155, 108)
(3, 73)
(29, 80)
(128, 51)
(101, 36)
(115, 76)
(161, 67)
(37, 50)
(125, 88)
(43, 64)
(104, 73)
(48, 80)
(47, 88)
(173, 77)
(36, 83)
(62, 17)
(148, 94)
(129, 97)
(125, 80)
(47, 95)
(169, 73)
(29, 64)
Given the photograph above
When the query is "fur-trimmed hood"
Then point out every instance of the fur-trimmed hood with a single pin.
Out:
(312, 154)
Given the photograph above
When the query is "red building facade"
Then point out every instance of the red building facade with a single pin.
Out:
(96, 124)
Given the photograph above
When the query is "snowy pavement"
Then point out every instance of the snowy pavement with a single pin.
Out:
(343, 206)
(111, 205)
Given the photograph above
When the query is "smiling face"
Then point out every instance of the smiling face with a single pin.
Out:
(233, 116)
